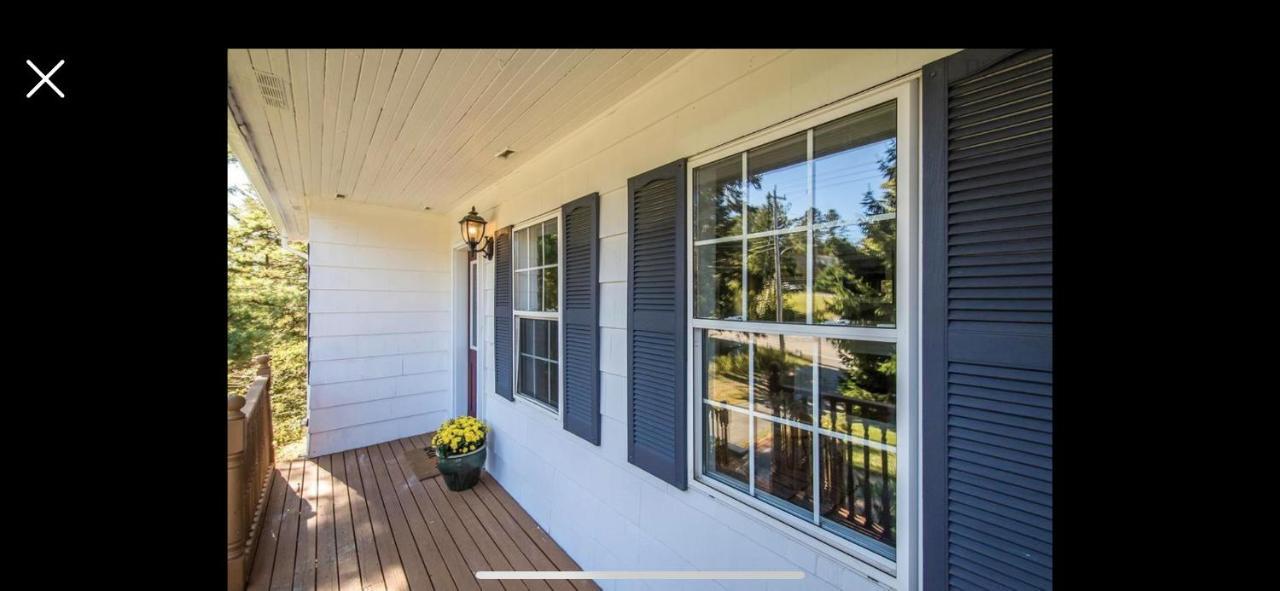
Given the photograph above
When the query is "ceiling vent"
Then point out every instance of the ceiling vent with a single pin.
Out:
(274, 91)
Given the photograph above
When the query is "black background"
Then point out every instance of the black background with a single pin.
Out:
(115, 276)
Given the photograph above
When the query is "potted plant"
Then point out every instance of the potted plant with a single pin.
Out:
(460, 451)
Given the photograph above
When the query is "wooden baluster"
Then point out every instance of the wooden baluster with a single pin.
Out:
(235, 494)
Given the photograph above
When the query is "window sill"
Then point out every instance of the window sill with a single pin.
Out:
(541, 409)
(883, 574)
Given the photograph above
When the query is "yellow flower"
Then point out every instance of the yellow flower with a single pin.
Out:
(460, 434)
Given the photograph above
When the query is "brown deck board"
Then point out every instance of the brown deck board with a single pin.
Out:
(370, 564)
(507, 547)
(410, 530)
(326, 549)
(361, 520)
(461, 553)
(505, 543)
(521, 538)
(260, 577)
(304, 570)
(453, 505)
(554, 552)
(344, 532)
(287, 545)
(418, 507)
(397, 568)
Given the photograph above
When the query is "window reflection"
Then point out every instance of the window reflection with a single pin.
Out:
(824, 219)
(538, 369)
(854, 210)
(718, 280)
(726, 363)
(717, 204)
(725, 453)
(783, 465)
(550, 289)
(784, 376)
(777, 190)
(535, 277)
(857, 393)
(776, 280)
(547, 242)
(521, 281)
(855, 184)
(853, 270)
(855, 165)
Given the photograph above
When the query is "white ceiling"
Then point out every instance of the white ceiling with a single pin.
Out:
(414, 128)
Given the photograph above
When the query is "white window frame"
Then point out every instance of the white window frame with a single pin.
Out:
(902, 572)
(516, 315)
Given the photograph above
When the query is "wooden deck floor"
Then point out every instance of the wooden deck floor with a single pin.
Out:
(361, 520)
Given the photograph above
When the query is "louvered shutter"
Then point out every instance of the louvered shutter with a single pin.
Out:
(656, 394)
(581, 318)
(988, 320)
(502, 341)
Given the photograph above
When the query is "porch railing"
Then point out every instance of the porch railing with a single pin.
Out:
(250, 459)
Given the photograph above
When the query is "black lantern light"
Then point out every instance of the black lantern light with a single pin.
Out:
(473, 227)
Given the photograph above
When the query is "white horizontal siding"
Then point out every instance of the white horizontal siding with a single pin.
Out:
(370, 257)
(329, 324)
(379, 326)
(378, 301)
(352, 346)
(376, 411)
(350, 278)
(371, 433)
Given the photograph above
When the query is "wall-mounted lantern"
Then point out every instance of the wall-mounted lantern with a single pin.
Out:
(473, 227)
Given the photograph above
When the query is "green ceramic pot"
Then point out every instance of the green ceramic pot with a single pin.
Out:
(461, 471)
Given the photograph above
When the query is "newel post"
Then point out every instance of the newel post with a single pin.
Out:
(235, 494)
(264, 365)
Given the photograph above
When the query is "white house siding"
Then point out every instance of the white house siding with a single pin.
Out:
(605, 512)
(379, 325)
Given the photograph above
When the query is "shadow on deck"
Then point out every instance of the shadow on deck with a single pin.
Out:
(361, 520)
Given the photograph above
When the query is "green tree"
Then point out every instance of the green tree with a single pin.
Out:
(266, 310)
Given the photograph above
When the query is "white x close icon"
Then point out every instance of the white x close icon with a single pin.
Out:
(44, 79)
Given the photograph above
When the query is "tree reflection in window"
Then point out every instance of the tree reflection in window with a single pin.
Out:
(853, 264)
(853, 221)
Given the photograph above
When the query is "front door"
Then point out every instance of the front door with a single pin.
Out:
(473, 331)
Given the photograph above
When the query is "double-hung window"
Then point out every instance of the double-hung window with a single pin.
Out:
(536, 284)
(796, 317)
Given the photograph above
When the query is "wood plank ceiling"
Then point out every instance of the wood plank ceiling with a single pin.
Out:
(414, 128)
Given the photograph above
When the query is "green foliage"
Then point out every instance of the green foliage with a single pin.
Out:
(289, 390)
(266, 311)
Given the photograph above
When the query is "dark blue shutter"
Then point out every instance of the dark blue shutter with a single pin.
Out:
(656, 394)
(988, 320)
(581, 318)
(502, 342)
